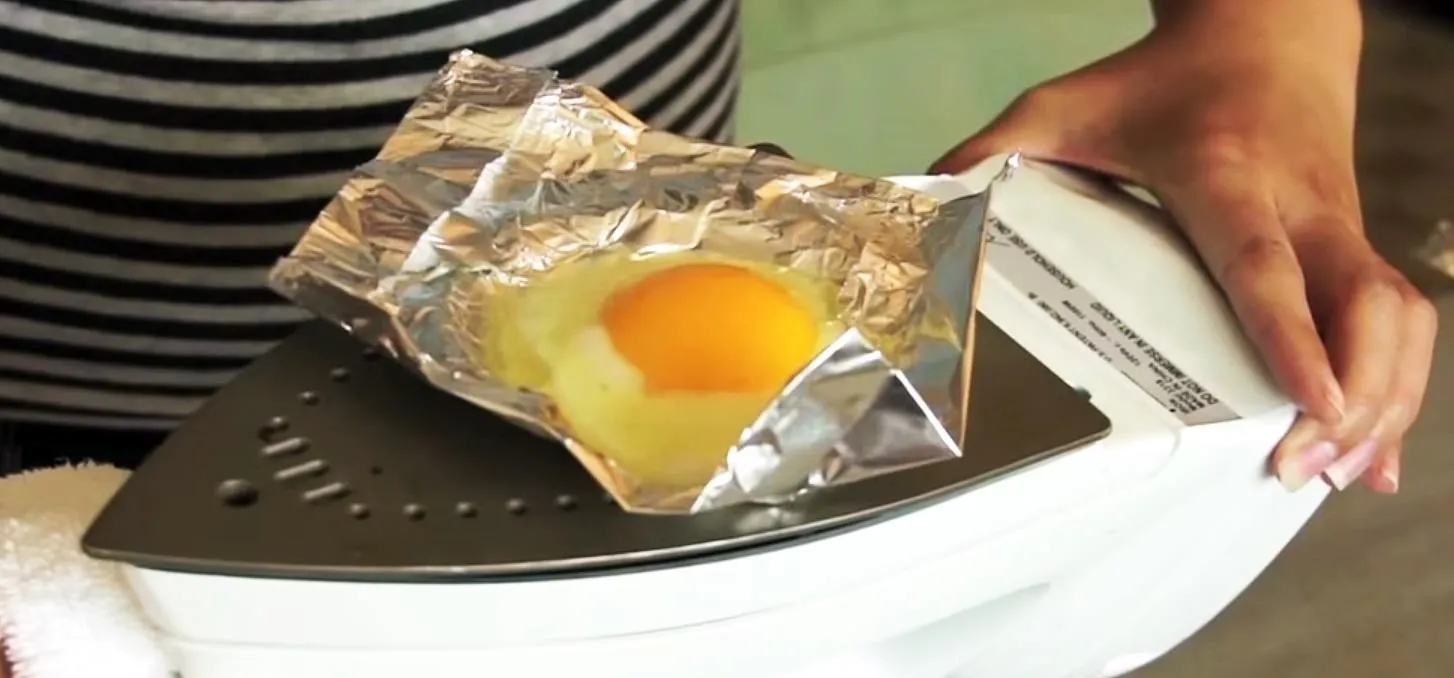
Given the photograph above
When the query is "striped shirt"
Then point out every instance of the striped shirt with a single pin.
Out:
(157, 156)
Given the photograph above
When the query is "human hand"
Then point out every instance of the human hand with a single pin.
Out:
(1241, 124)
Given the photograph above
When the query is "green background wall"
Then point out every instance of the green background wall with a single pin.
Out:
(883, 87)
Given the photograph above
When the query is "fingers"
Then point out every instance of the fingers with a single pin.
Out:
(1239, 234)
(1343, 334)
(1383, 478)
(1304, 453)
(1026, 126)
(1406, 394)
(1368, 342)
(1380, 335)
(1235, 225)
(1363, 339)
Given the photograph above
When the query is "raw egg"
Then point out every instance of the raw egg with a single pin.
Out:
(659, 363)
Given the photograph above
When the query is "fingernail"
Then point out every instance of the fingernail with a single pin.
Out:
(1341, 473)
(1390, 476)
(1389, 470)
(1302, 465)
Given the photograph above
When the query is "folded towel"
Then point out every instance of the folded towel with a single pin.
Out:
(62, 614)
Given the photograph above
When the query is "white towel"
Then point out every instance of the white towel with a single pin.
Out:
(62, 614)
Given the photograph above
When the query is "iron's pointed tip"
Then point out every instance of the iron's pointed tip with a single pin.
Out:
(1012, 163)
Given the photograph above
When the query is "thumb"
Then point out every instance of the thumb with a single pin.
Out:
(1233, 222)
(1044, 124)
(1017, 128)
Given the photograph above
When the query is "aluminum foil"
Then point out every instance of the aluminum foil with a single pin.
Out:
(498, 175)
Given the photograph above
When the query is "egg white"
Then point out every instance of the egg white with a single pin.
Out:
(671, 440)
(553, 342)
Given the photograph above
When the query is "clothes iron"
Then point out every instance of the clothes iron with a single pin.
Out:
(328, 514)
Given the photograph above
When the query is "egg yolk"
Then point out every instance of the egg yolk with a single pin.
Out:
(710, 328)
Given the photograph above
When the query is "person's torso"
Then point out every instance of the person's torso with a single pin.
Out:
(157, 156)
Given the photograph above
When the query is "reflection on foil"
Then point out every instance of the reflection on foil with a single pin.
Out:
(766, 518)
(1438, 250)
(498, 175)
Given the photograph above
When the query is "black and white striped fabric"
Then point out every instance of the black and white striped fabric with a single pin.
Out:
(157, 156)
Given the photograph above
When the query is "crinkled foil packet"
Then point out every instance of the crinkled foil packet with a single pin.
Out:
(499, 175)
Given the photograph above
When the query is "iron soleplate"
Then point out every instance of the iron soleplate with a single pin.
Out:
(325, 461)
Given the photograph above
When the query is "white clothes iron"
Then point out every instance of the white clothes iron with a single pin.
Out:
(328, 514)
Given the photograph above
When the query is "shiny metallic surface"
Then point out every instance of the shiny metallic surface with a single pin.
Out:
(499, 175)
(402, 456)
